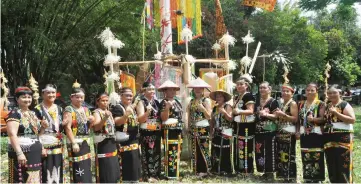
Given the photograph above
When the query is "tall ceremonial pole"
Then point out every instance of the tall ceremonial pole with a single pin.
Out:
(166, 28)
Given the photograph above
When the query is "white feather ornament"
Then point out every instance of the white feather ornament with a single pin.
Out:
(111, 59)
(216, 46)
(248, 38)
(231, 65)
(227, 39)
(158, 56)
(117, 44)
(248, 77)
(246, 61)
(113, 77)
(114, 98)
(186, 34)
(106, 37)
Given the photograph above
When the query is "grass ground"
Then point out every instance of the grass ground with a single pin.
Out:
(188, 177)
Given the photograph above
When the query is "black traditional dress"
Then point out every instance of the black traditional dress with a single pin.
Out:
(80, 162)
(172, 137)
(151, 137)
(128, 151)
(338, 146)
(311, 143)
(52, 168)
(29, 127)
(286, 146)
(222, 145)
(265, 146)
(201, 161)
(106, 158)
(244, 129)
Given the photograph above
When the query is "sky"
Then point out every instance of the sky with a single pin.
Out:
(357, 6)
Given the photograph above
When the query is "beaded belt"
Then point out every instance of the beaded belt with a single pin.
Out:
(106, 155)
(80, 158)
(129, 148)
(245, 137)
(33, 165)
(219, 146)
(312, 149)
(54, 151)
(338, 145)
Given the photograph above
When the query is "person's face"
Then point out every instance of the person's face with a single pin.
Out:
(77, 100)
(103, 102)
(333, 95)
(24, 100)
(127, 97)
(219, 98)
(311, 92)
(49, 96)
(286, 93)
(170, 92)
(198, 92)
(241, 87)
(149, 92)
(264, 89)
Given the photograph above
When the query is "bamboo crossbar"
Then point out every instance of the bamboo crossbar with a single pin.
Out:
(138, 62)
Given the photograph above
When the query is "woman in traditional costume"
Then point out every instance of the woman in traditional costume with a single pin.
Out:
(286, 136)
(266, 128)
(172, 125)
(199, 113)
(24, 149)
(78, 125)
(221, 131)
(338, 136)
(150, 133)
(52, 168)
(127, 136)
(243, 126)
(311, 119)
(106, 157)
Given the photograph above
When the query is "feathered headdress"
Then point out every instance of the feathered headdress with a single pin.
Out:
(76, 84)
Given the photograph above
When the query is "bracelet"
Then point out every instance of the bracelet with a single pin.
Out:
(18, 153)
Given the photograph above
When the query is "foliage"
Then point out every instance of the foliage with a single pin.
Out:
(321, 4)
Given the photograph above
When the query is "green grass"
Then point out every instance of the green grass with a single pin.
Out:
(188, 176)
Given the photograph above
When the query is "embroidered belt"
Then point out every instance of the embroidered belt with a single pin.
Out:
(80, 158)
(338, 127)
(244, 119)
(33, 165)
(176, 141)
(129, 148)
(54, 151)
(316, 130)
(106, 155)
(338, 145)
(268, 126)
(25, 143)
(312, 149)
(49, 140)
(219, 146)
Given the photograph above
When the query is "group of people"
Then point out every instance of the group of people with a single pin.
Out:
(228, 134)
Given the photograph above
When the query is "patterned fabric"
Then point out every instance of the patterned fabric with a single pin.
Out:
(107, 168)
(80, 164)
(109, 125)
(175, 111)
(244, 136)
(304, 111)
(53, 115)
(29, 124)
(331, 118)
(80, 125)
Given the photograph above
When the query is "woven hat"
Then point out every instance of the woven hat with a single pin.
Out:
(226, 95)
(168, 84)
(198, 83)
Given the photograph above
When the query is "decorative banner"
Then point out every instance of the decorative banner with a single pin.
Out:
(128, 80)
(268, 5)
(212, 81)
(167, 73)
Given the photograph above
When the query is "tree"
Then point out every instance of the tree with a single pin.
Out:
(321, 4)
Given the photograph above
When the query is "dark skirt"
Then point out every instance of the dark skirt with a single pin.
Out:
(222, 155)
(286, 158)
(172, 150)
(243, 147)
(313, 161)
(151, 153)
(265, 148)
(31, 172)
(52, 168)
(200, 150)
(106, 162)
(129, 161)
(338, 151)
(80, 164)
